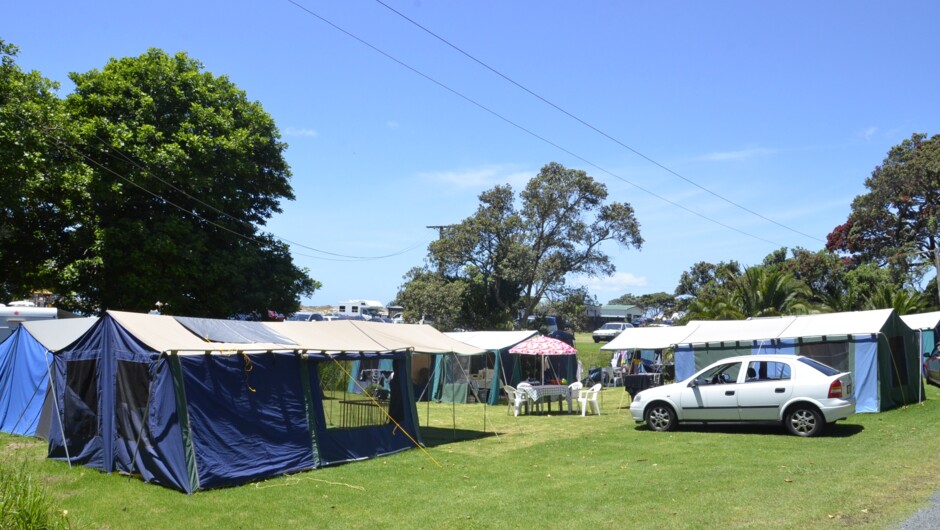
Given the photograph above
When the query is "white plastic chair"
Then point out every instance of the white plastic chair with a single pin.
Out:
(574, 390)
(611, 376)
(510, 398)
(589, 396)
(528, 396)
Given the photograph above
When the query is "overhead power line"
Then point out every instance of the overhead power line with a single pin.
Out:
(69, 149)
(524, 129)
(590, 126)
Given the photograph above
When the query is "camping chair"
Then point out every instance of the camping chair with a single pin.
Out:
(574, 390)
(611, 377)
(589, 396)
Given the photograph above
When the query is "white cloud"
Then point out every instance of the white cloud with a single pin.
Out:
(867, 133)
(481, 178)
(392, 124)
(294, 131)
(738, 155)
(618, 284)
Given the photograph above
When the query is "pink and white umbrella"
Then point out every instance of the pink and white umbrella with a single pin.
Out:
(541, 345)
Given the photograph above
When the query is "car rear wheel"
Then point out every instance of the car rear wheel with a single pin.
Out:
(660, 417)
(804, 420)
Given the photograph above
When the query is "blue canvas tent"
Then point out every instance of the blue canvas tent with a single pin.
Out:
(24, 372)
(876, 347)
(143, 394)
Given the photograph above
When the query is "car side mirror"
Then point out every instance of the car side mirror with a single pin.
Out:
(693, 383)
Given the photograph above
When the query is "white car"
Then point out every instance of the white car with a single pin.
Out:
(802, 394)
(609, 330)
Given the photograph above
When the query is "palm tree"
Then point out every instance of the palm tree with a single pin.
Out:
(713, 308)
(760, 293)
(901, 300)
(756, 293)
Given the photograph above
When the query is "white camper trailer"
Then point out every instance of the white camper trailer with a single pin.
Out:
(15, 314)
(367, 309)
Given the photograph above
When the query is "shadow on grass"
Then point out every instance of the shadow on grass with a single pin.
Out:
(435, 436)
(838, 430)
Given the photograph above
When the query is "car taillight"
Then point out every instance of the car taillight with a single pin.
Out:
(835, 389)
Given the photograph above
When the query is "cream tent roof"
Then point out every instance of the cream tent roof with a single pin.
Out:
(649, 338)
(421, 337)
(364, 336)
(922, 320)
(491, 340)
(164, 334)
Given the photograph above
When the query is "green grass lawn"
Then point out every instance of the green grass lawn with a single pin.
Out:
(553, 470)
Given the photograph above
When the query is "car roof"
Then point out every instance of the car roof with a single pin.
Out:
(759, 357)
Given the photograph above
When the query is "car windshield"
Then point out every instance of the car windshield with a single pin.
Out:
(824, 368)
(612, 326)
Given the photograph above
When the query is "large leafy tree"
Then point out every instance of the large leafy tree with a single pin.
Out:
(823, 271)
(427, 296)
(897, 222)
(182, 170)
(522, 253)
(35, 188)
(704, 279)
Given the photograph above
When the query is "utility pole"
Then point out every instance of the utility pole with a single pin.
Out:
(440, 236)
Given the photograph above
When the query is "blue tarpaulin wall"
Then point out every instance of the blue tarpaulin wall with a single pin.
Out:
(193, 422)
(24, 379)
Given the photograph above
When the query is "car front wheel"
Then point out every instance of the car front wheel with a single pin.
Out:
(804, 420)
(660, 417)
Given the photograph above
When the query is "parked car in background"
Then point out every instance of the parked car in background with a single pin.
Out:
(932, 367)
(306, 316)
(800, 393)
(609, 330)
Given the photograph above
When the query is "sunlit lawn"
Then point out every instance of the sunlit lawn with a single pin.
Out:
(485, 468)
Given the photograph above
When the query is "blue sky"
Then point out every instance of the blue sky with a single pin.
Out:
(783, 108)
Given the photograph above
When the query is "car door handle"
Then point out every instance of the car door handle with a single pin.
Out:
(780, 390)
(729, 392)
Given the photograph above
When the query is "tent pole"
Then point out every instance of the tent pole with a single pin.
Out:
(920, 366)
(58, 415)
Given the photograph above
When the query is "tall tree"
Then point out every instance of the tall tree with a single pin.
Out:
(34, 188)
(429, 297)
(823, 271)
(705, 278)
(897, 223)
(522, 255)
(182, 170)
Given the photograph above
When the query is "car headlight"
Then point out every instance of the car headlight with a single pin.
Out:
(638, 398)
